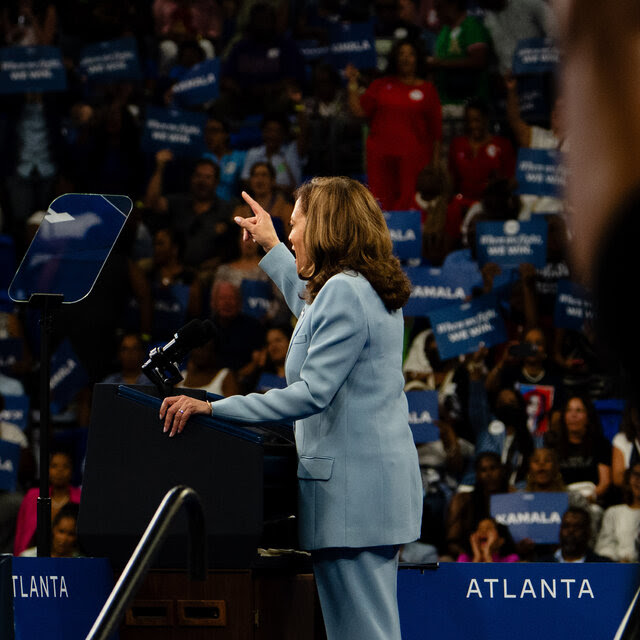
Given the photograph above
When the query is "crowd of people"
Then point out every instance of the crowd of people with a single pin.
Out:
(435, 126)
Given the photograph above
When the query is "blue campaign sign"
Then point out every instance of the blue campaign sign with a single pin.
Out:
(574, 307)
(10, 353)
(434, 288)
(31, 69)
(406, 235)
(58, 598)
(535, 516)
(502, 601)
(270, 381)
(423, 413)
(199, 85)
(68, 376)
(9, 459)
(460, 329)
(462, 265)
(534, 97)
(169, 308)
(540, 172)
(256, 297)
(312, 50)
(16, 411)
(71, 246)
(182, 132)
(352, 42)
(535, 56)
(512, 242)
(111, 60)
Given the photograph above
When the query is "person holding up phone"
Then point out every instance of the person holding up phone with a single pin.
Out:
(526, 364)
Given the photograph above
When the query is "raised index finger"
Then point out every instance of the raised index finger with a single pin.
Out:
(255, 207)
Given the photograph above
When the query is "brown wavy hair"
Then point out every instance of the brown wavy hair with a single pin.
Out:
(346, 230)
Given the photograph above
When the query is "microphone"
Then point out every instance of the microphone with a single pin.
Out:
(193, 334)
(162, 366)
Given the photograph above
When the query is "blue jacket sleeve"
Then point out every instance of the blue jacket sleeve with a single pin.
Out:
(279, 264)
(337, 334)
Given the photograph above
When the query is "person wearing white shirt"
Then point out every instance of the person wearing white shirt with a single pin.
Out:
(621, 522)
(282, 156)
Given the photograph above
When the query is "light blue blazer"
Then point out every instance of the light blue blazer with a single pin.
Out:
(358, 473)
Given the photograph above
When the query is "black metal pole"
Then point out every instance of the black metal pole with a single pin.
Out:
(47, 303)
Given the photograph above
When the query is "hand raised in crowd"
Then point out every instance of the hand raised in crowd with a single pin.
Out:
(527, 273)
(510, 82)
(351, 73)
(257, 362)
(260, 228)
(163, 157)
(489, 272)
(474, 363)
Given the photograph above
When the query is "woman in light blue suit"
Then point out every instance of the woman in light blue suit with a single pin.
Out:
(360, 493)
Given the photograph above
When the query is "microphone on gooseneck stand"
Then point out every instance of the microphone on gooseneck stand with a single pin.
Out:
(162, 366)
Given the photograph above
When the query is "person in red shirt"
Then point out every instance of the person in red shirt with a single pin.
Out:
(479, 156)
(405, 120)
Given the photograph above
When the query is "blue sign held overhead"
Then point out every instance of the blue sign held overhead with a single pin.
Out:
(540, 172)
(535, 56)
(534, 97)
(460, 329)
(406, 234)
(16, 410)
(352, 42)
(256, 297)
(10, 353)
(434, 288)
(574, 307)
(199, 85)
(31, 69)
(423, 414)
(9, 459)
(68, 377)
(169, 308)
(536, 516)
(512, 243)
(182, 132)
(312, 50)
(111, 60)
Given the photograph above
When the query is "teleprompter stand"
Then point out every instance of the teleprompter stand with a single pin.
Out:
(61, 266)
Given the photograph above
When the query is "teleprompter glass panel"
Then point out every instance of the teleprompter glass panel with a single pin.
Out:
(71, 246)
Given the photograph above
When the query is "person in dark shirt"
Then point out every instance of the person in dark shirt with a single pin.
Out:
(239, 334)
(261, 65)
(575, 532)
(583, 451)
(198, 215)
(527, 367)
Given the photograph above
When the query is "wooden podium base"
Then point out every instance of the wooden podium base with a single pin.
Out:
(239, 605)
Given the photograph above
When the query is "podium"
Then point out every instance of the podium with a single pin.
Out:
(245, 476)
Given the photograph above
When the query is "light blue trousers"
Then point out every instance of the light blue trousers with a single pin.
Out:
(358, 592)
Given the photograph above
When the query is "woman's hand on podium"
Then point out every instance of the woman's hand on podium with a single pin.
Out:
(176, 410)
